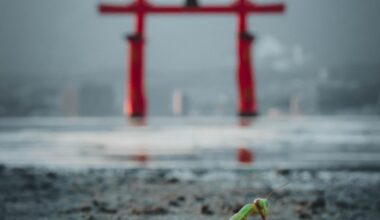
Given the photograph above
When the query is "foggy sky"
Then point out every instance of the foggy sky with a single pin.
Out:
(69, 36)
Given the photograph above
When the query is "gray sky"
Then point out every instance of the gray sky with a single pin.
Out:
(69, 36)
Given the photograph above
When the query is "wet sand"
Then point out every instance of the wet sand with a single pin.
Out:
(33, 193)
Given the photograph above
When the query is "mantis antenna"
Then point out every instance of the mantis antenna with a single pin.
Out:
(278, 188)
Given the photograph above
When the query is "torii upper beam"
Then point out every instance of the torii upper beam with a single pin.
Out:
(240, 6)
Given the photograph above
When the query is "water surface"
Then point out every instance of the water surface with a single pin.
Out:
(350, 142)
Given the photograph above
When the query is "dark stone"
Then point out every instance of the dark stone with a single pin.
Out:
(52, 175)
(283, 172)
(304, 215)
(344, 205)
(199, 198)
(78, 209)
(90, 217)
(172, 180)
(107, 210)
(149, 211)
(237, 208)
(46, 185)
(104, 207)
(30, 186)
(174, 203)
(181, 198)
(319, 203)
(205, 210)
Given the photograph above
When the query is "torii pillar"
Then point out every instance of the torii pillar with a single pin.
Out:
(246, 99)
(135, 102)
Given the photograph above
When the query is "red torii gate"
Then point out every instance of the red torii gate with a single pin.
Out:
(135, 102)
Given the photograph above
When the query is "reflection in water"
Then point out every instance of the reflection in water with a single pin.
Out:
(141, 159)
(137, 121)
(141, 156)
(245, 121)
(244, 156)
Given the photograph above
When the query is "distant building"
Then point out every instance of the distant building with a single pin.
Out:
(294, 105)
(70, 101)
(180, 103)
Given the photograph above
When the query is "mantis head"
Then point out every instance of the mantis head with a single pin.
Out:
(262, 206)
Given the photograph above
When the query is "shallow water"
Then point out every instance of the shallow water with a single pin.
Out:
(331, 142)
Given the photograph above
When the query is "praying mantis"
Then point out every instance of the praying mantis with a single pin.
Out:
(259, 206)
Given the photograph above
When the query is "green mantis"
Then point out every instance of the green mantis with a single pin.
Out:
(259, 206)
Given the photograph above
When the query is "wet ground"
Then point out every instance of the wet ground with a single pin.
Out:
(186, 169)
(185, 194)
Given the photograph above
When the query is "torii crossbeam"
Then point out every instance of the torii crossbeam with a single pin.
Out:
(135, 102)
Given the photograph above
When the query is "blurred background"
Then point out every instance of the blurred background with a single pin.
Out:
(68, 152)
(62, 73)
